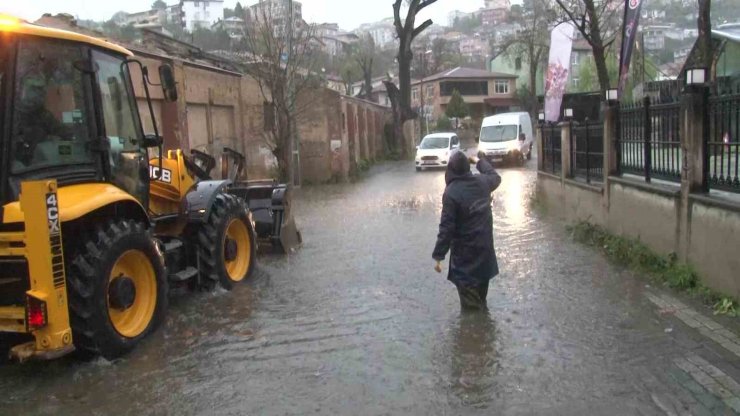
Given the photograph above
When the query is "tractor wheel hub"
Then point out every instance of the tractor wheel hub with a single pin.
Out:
(122, 292)
(230, 249)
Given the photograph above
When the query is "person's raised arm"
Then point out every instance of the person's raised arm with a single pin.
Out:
(487, 172)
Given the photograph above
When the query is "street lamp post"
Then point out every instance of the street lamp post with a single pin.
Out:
(423, 67)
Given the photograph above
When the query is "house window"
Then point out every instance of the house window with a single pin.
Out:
(466, 88)
(575, 82)
(518, 64)
(429, 91)
(501, 86)
(574, 59)
(415, 94)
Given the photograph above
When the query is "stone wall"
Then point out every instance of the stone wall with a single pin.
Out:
(700, 228)
(215, 109)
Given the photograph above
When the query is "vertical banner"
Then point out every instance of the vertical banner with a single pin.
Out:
(558, 67)
(629, 31)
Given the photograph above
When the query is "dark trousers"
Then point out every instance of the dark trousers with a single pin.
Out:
(473, 297)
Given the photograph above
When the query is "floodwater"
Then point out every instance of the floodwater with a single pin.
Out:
(357, 322)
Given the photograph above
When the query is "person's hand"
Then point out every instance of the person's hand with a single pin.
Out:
(438, 267)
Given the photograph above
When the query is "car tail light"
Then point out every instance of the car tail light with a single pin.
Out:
(36, 316)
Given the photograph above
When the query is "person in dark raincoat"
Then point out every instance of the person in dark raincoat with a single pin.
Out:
(466, 229)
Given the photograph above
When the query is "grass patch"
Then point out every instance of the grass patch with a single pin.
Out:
(666, 270)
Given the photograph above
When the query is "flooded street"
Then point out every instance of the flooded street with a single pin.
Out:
(357, 322)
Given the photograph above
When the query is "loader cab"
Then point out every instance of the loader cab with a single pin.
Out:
(68, 112)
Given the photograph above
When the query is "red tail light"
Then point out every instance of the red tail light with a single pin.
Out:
(35, 313)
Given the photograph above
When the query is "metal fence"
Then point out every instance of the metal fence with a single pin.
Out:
(649, 139)
(587, 150)
(551, 147)
(723, 143)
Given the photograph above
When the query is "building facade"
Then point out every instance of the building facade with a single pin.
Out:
(484, 92)
(383, 32)
(203, 13)
(281, 14)
(498, 4)
(490, 17)
(234, 26)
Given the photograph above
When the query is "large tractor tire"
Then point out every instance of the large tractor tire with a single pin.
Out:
(117, 288)
(226, 244)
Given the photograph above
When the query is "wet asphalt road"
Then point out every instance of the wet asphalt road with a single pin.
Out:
(357, 322)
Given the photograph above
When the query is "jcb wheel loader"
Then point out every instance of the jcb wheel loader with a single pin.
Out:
(94, 231)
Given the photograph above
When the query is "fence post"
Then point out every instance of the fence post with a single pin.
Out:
(694, 136)
(611, 141)
(552, 149)
(647, 132)
(540, 148)
(694, 119)
(565, 149)
(588, 154)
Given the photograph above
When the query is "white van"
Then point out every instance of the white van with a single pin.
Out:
(435, 150)
(507, 137)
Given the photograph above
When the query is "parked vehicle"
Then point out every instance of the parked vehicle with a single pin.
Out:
(93, 233)
(507, 137)
(434, 150)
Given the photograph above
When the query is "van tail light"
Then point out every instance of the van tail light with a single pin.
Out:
(36, 316)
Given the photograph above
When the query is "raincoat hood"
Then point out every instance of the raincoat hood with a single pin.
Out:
(457, 167)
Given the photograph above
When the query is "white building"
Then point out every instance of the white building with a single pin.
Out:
(498, 4)
(201, 13)
(234, 26)
(654, 36)
(277, 13)
(149, 16)
(473, 46)
(383, 32)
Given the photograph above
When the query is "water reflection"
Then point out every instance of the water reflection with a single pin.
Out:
(474, 359)
(512, 193)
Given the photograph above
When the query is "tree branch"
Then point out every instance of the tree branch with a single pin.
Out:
(425, 4)
(421, 28)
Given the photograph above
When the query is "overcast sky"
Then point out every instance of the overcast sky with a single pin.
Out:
(348, 13)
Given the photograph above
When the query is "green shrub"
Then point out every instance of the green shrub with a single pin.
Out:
(444, 124)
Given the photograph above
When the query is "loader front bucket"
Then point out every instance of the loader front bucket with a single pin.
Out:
(269, 203)
(289, 238)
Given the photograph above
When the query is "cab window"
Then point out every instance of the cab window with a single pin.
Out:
(121, 123)
(51, 121)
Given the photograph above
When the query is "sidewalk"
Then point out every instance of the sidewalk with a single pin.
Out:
(710, 369)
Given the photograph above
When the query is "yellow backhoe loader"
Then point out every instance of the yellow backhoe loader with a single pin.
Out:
(94, 230)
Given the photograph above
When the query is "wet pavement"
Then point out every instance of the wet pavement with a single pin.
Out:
(357, 322)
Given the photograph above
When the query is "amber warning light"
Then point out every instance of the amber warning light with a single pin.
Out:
(6, 20)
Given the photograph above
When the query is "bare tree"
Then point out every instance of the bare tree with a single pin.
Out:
(597, 22)
(441, 55)
(406, 31)
(365, 52)
(283, 64)
(349, 72)
(531, 43)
